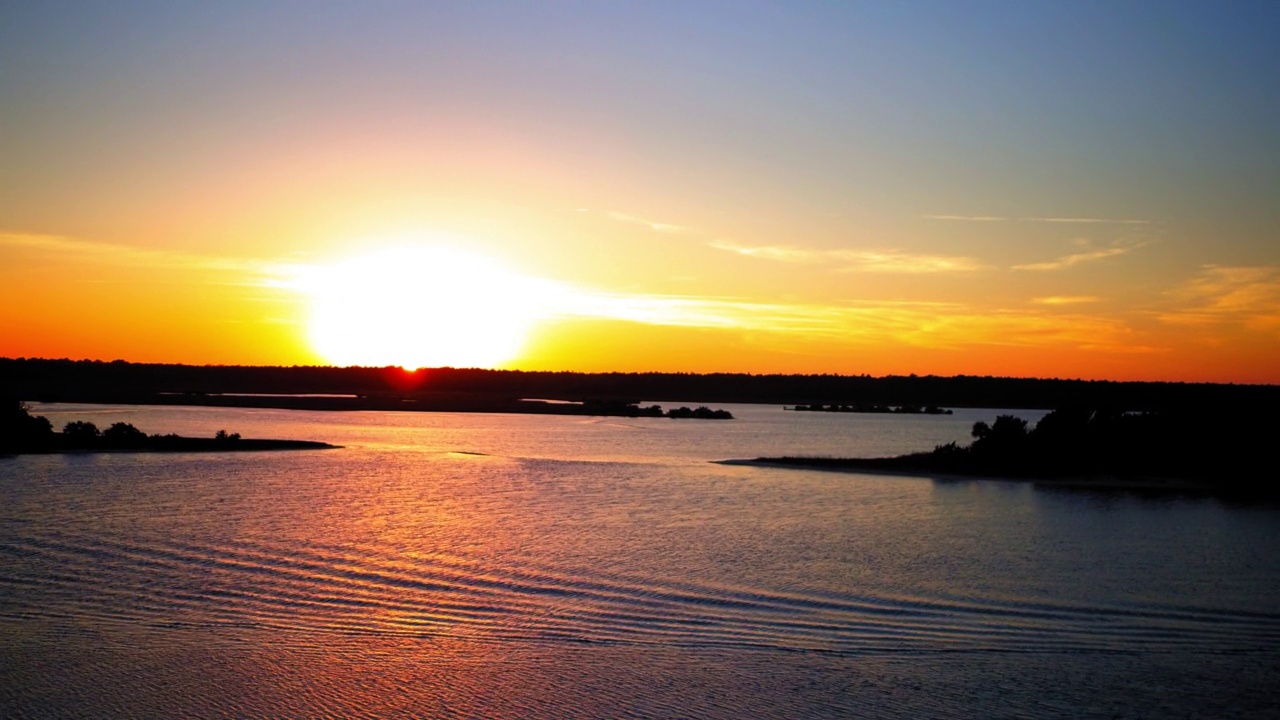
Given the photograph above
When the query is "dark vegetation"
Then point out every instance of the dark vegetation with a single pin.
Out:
(1229, 454)
(702, 412)
(353, 388)
(22, 433)
(631, 408)
(501, 390)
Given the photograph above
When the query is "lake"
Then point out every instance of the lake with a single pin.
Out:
(472, 565)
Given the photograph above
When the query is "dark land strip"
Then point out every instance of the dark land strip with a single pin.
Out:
(1155, 451)
(473, 390)
(22, 433)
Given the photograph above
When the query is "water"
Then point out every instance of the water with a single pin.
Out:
(455, 565)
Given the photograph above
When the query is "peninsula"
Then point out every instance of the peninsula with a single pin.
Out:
(1166, 450)
(22, 433)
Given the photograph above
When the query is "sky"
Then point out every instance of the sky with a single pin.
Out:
(1036, 189)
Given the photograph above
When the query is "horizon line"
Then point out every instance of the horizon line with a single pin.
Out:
(118, 361)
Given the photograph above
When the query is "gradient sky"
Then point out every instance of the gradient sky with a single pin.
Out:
(1073, 189)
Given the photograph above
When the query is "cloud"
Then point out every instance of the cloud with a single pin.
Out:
(1079, 258)
(1066, 300)
(1251, 292)
(1088, 220)
(75, 250)
(1229, 295)
(778, 253)
(883, 261)
(654, 226)
(894, 261)
(968, 218)
(1000, 218)
(934, 325)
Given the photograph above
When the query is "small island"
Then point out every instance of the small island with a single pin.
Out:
(22, 433)
(1181, 451)
(631, 408)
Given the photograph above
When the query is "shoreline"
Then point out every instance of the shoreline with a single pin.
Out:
(178, 444)
(1094, 482)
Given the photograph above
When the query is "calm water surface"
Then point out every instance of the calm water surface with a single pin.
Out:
(455, 565)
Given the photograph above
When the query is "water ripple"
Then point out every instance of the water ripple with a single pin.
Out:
(369, 589)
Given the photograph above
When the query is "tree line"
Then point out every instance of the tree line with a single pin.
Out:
(123, 382)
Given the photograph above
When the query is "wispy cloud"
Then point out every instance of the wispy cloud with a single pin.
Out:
(1236, 295)
(660, 227)
(1080, 258)
(117, 255)
(893, 261)
(968, 218)
(933, 325)
(1087, 220)
(1000, 218)
(778, 253)
(882, 261)
(1066, 300)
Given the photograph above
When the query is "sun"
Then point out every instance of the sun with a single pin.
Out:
(418, 307)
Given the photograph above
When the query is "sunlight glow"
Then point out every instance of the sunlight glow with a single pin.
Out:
(418, 307)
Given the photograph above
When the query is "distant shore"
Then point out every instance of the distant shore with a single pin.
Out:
(876, 466)
(438, 402)
(476, 390)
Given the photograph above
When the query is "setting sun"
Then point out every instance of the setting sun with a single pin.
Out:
(417, 307)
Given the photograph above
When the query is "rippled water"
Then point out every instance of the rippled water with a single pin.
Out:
(454, 565)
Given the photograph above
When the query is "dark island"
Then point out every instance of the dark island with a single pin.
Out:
(631, 408)
(22, 433)
(1228, 454)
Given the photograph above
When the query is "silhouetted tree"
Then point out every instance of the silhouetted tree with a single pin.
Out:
(1007, 429)
(20, 429)
(1002, 445)
(80, 430)
(122, 432)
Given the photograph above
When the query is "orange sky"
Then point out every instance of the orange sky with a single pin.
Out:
(1047, 191)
